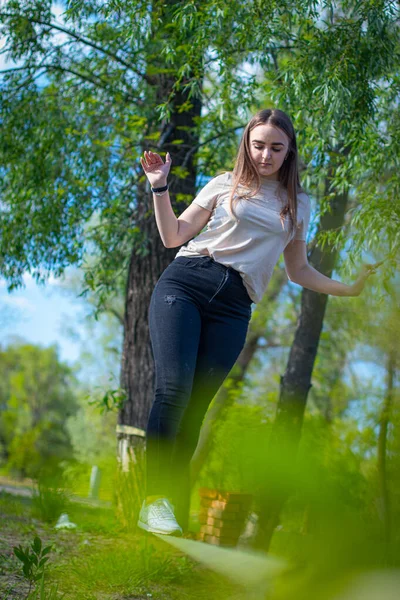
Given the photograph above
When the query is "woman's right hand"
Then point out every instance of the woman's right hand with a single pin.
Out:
(366, 271)
(154, 167)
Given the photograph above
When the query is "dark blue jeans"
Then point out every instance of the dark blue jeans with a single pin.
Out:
(198, 317)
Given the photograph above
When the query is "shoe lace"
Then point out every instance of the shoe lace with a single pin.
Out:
(163, 509)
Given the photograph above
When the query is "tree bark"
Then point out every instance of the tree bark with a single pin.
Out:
(137, 364)
(137, 369)
(295, 384)
(146, 266)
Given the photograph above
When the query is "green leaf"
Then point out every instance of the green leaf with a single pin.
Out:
(37, 545)
(20, 553)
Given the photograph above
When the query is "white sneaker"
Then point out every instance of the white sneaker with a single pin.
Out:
(158, 517)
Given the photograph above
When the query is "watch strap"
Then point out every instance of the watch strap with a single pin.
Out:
(160, 189)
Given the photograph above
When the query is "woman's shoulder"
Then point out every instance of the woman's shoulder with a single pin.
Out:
(303, 196)
(303, 202)
(218, 182)
(223, 177)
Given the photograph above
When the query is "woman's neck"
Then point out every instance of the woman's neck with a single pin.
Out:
(264, 179)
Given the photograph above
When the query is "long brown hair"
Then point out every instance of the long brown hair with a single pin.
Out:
(245, 171)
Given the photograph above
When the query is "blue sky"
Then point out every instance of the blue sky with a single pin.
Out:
(41, 315)
(53, 314)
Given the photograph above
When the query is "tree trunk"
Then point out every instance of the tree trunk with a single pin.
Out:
(295, 384)
(137, 364)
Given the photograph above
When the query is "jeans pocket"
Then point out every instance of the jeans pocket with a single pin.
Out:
(189, 261)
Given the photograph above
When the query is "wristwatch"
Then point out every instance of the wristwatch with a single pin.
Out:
(159, 191)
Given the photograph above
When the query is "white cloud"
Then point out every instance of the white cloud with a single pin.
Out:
(52, 280)
(30, 282)
(19, 302)
(3, 63)
(57, 12)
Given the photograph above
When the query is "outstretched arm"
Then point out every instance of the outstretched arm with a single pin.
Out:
(300, 271)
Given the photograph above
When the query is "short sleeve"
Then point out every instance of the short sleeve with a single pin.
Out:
(302, 228)
(208, 195)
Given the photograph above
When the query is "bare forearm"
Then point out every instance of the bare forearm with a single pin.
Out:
(167, 222)
(310, 278)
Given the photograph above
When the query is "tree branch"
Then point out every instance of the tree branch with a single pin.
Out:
(100, 83)
(83, 40)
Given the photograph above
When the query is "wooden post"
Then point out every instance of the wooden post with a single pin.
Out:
(130, 480)
(95, 477)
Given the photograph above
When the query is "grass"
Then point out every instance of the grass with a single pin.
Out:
(98, 560)
(341, 555)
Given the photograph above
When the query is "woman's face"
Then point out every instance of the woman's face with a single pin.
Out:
(268, 147)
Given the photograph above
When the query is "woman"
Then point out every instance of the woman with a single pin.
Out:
(201, 305)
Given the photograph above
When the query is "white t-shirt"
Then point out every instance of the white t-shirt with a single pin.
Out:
(252, 246)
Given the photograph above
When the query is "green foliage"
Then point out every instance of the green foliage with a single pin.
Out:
(130, 489)
(33, 559)
(112, 400)
(44, 594)
(50, 498)
(239, 444)
(168, 569)
(92, 438)
(129, 566)
(71, 184)
(36, 396)
(71, 139)
(108, 561)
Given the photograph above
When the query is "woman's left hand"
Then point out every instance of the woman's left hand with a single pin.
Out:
(368, 269)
